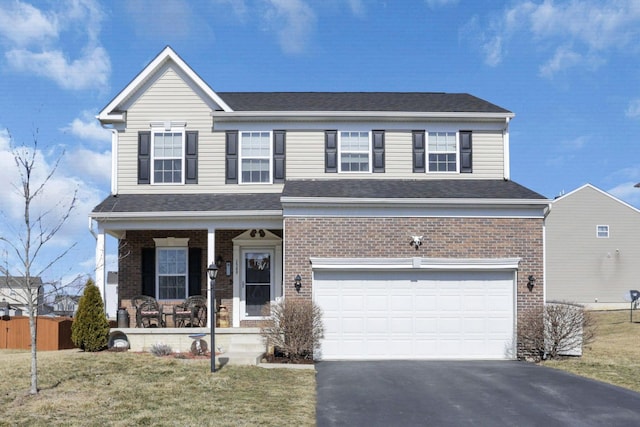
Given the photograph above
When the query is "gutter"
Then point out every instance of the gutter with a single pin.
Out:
(346, 115)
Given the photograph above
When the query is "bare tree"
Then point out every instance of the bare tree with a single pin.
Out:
(25, 248)
(560, 328)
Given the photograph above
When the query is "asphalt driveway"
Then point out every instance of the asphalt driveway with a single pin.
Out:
(462, 393)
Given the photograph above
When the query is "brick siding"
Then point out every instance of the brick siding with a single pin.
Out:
(390, 237)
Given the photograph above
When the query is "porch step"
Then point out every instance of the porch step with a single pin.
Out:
(239, 358)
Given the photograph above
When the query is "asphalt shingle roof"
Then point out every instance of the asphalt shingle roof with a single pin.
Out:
(403, 189)
(433, 102)
(189, 202)
(339, 188)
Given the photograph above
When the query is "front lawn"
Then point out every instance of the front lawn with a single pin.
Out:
(119, 389)
(614, 356)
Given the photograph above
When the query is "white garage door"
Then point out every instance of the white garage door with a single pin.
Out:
(416, 315)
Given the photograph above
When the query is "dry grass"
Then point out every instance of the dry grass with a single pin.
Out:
(614, 356)
(120, 389)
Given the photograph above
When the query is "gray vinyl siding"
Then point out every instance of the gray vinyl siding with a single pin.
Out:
(170, 98)
(582, 267)
(305, 157)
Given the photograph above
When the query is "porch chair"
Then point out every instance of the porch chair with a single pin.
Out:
(147, 312)
(192, 312)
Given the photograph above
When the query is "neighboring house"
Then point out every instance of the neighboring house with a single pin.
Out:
(396, 211)
(592, 249)
(14, 291)
(65, 305)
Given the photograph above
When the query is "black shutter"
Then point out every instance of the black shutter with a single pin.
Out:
(195, 271)
(149, 272)
(378, 151)
(279, 148)
(466, 158)
(331, 151)
(231, 157)
(191, 158)
(144, 157)
(418, 151)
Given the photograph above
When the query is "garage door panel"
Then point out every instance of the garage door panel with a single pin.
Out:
(408, 314)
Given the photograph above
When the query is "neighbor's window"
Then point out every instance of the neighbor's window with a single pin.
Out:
(255, 157)
(602, 231)
(172, 273)
(355, 149)
(443, 152)
(168, 152)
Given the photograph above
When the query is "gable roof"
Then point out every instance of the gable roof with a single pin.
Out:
(433, 102)
(111, 112)
(16, 282)
(602, 192)
(237, 105)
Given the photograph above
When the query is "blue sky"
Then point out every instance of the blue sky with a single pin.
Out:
(568, 69)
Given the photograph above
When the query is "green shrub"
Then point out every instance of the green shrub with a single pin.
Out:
(90, 328)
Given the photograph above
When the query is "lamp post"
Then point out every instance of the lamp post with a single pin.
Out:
(212, 272)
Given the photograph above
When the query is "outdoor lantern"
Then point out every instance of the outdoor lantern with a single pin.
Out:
(212, 271)
(531, 282)
(297, 282)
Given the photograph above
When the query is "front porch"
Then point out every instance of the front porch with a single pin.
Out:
(237, 346)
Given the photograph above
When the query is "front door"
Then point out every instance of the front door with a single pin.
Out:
(257, 282)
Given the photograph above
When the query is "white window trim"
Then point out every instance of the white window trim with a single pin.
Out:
(598, 231)
(427, 151)
(167, 127)
(369, 151)
(240, 157)
(171, 243)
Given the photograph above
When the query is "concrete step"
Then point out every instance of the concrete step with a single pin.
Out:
(239, 358)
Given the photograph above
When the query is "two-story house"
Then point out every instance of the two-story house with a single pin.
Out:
(395, 211)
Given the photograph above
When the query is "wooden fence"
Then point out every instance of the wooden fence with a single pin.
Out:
(54, 333)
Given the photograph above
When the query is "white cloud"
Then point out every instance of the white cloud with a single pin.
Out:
(575, 33)
(34, 46)
(23, 24)
(357, 8)
(633, 110)
(91, 165)
(627, 192)
(439, 3)
(91, 70)
(563, 58)
(293, 21)
(87, 127)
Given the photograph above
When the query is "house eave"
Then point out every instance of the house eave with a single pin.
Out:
(183, 215)
(324, 201)
(244, 116)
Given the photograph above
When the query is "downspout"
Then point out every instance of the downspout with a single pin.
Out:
(507, 156)
(114, 157)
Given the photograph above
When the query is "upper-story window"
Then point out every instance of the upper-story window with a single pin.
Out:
(443, 152)
(602, 231)
(168, 157)
(255, 157)
(355, 151)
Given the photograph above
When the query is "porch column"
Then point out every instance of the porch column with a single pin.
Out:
(211, 251)
(100, 255)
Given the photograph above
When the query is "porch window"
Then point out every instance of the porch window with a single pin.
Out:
(443, 152)
(172, 273)
(255, 157)
(355, 149)
(168, 150)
